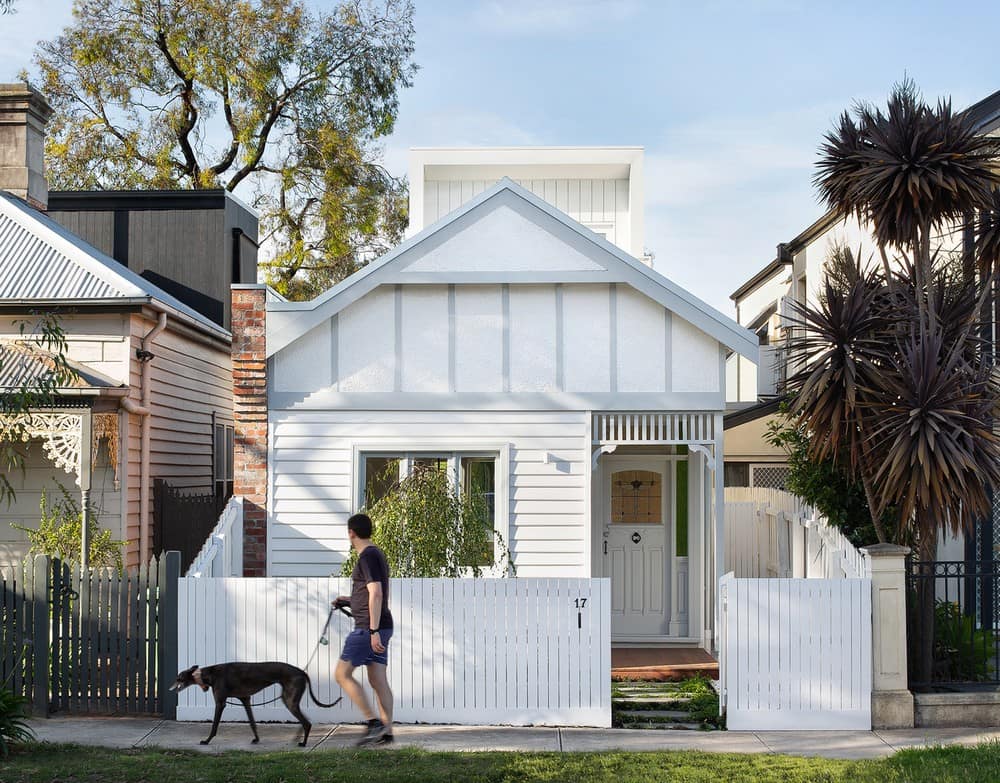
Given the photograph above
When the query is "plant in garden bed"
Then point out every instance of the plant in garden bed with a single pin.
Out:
(427, 528)
(694, 696)
(13, 720)
(59, 533)
(961, 652)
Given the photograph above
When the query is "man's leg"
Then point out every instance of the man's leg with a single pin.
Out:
(344, 675)
(379, 681)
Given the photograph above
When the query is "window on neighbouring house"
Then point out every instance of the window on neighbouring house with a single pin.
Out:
(222, 460)
(736, 474)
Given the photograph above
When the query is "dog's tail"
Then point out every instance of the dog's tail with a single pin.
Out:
(313, 695)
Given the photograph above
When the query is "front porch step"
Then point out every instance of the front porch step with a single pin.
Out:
(661, 664)
(649, 702)
(664, 705)
(678, 720)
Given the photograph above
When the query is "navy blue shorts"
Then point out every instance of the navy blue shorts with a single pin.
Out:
(358, 648)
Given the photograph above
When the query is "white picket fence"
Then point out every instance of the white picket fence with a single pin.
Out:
(771, 533)
(469, 651)
(222, 552)
(796, 653)
(795, 620)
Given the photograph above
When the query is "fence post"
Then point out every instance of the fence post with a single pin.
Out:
(892, 702)
(170, 572)
(41, 576)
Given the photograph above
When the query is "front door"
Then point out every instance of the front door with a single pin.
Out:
(636, 549)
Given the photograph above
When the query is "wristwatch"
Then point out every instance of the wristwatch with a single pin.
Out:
(372, 631)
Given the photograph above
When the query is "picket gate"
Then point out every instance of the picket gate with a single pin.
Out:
(796, 653)
(518, 651)
(90, 640)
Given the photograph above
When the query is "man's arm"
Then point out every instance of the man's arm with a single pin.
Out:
(375, 613)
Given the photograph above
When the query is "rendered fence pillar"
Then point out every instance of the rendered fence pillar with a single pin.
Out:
(892, 702)
(250, 421)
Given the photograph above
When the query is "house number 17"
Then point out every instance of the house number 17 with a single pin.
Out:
(579, 603)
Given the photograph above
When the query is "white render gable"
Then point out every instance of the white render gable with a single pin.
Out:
(468, 247)
(508, 238)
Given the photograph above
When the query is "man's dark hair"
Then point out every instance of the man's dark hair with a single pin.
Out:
(361, 524)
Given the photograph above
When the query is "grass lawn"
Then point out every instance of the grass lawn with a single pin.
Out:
(77, 764)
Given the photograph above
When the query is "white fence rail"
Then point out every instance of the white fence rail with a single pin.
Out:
(796, 653)
(470, 651)
(773, 534)
(222, 553)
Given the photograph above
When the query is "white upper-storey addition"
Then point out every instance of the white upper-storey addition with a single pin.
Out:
(600, 187)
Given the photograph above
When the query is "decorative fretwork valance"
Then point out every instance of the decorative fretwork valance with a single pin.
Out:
(61, 434)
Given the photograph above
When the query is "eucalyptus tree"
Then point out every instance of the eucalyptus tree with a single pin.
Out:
(282, 100)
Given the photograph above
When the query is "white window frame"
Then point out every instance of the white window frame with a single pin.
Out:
(500, 452)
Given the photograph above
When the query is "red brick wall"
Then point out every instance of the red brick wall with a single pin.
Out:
(250, 419)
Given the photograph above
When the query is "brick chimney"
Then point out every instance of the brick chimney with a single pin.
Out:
(250, 420)
(23, 115)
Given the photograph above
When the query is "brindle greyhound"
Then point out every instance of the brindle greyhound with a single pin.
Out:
(243, 680)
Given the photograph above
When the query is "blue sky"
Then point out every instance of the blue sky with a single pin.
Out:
(729, 99)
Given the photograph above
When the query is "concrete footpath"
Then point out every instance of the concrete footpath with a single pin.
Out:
(143, 733)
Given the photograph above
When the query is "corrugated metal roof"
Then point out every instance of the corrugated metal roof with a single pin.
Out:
(30, 268)
(41, 260)
(22, 364)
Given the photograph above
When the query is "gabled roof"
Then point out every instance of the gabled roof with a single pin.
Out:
(43, 263)
(599, 262)
(22, 364)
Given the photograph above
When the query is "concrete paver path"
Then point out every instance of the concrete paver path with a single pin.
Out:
(151, 732)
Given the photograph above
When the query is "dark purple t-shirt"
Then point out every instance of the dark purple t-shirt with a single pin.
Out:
(371, 567)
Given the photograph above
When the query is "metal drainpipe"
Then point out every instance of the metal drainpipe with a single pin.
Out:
(144, 412)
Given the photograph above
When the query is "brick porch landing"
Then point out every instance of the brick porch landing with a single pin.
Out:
(661, 663)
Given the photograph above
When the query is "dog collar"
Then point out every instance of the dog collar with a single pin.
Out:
(196, 676)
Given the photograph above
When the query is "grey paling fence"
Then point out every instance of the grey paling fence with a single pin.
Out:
(93, 640)
(20, 613)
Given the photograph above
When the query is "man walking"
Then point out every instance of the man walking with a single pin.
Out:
(367, 645)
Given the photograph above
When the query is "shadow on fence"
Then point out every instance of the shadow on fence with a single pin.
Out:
(90, 641)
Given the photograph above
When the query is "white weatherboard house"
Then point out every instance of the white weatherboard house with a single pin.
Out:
(515, 338)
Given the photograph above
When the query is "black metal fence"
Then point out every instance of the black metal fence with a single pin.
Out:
(183, 519)
(953, 624)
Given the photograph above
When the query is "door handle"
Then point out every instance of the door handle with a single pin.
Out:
(605, 546)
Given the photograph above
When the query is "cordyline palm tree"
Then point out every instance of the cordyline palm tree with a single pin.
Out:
(894, 380)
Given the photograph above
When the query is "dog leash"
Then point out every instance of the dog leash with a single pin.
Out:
(323, 641)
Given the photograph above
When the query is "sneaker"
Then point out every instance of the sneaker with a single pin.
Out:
(376, 730)
(385, 739)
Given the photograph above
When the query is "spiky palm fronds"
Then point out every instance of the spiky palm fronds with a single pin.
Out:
(838, 349)
(908, 170)
(932, 425)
